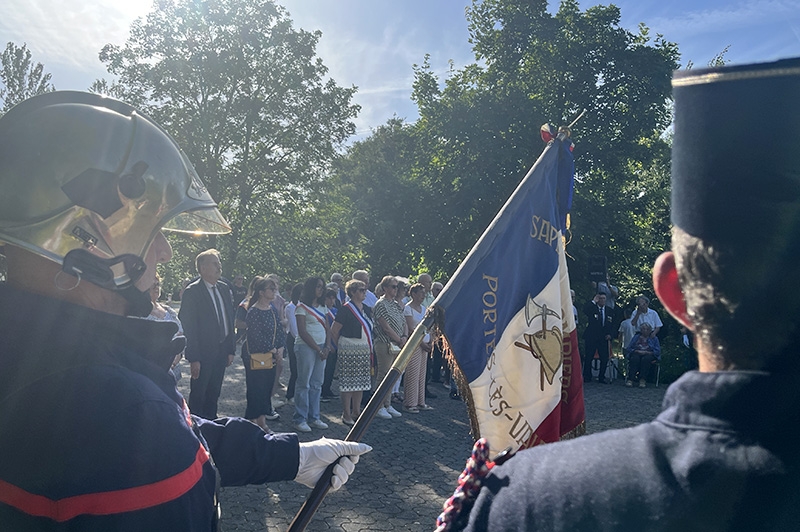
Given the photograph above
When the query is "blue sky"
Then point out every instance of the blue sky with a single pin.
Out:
(373, 44)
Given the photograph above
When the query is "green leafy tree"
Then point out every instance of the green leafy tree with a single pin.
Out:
(377, 176)
(20, 77)
(534, 67)
(243, 93)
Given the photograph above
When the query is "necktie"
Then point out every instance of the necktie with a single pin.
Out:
(220, 315)
(602, 315)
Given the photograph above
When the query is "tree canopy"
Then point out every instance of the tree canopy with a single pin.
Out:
(245, 95)
(20, 77)
(248, 100)
(478, 134)
(379, 179)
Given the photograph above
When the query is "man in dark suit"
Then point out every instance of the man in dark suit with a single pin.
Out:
(207, 317)
(599, 328)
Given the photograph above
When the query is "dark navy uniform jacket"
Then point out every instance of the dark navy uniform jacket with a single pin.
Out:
(95, 435)
(724, 454)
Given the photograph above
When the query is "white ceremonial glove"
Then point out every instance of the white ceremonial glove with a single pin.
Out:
(316, 456)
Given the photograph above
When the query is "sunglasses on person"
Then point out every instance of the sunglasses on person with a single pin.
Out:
(392, 286)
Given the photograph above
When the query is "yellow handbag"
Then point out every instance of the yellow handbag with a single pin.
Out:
(262, 360)
(265, 360)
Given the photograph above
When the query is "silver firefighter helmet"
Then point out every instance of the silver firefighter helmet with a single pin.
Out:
(88, 181)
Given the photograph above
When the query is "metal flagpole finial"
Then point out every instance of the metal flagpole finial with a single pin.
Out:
(564, 132)
(576, 120)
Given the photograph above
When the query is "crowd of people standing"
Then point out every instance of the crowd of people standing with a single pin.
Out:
(342, 330)
(326, 331)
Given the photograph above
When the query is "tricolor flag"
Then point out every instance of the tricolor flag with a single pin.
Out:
(506, 316)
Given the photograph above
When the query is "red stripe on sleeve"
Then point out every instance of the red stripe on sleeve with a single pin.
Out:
(109, 502)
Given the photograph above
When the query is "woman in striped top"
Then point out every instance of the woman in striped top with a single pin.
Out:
(390, 328)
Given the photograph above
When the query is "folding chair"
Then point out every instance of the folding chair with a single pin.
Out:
(657, 364)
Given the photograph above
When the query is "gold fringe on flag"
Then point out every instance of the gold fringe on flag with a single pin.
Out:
(462, 384)
(580, 430)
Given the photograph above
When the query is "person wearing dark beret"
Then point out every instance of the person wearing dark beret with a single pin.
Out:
(723, 453)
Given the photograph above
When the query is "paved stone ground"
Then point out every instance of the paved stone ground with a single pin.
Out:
(412, 469)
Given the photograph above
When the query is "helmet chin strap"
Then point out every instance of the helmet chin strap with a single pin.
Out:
(139, 303)
(84, 265)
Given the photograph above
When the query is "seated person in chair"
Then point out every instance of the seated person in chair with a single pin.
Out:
(643, 351)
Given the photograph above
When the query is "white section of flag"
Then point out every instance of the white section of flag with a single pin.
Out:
(508, 398)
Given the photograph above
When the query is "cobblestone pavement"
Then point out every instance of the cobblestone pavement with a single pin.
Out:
(412, 469)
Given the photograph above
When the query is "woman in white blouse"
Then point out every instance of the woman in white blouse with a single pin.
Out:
(311, 348)
(416, 370)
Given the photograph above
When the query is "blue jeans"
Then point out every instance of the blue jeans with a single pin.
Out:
(308, 389)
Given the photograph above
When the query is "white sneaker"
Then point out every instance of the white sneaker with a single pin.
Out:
(277, 403)
(383, 414)
(318, 424)
(302, 427)
(393, 412)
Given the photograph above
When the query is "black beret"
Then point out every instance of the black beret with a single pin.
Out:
(736, 155)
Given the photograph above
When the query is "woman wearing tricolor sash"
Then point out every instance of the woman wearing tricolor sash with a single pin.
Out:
(352, 334)
(311, 348)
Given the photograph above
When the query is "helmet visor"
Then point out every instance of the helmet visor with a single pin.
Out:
(205, 221)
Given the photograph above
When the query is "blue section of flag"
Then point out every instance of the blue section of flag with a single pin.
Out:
(516, 256)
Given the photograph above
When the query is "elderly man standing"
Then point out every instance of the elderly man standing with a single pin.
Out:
(722, 455)
(425, 280)
(207, 317)
(341, 295)
(644, 314)
(363, 276)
